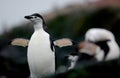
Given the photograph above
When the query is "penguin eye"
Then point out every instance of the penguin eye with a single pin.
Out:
(35, 17)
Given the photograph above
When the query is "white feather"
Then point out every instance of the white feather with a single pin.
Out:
(99, 34)
(40, 56)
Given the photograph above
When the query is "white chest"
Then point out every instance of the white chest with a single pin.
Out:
(40, 56)
(38, 42)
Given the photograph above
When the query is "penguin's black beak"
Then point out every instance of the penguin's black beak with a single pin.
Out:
(28, 17)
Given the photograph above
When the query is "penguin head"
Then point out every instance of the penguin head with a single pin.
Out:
(35, 18)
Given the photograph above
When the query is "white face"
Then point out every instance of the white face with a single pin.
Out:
(35, 19)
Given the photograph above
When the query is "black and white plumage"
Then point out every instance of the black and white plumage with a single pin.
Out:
(106, 41)
(41, 58)
(99, 45)
(85, 52)
(65, 46)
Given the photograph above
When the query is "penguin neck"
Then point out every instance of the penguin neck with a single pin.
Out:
(38, 26)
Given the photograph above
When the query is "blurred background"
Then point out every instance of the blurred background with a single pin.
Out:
(64, 18)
